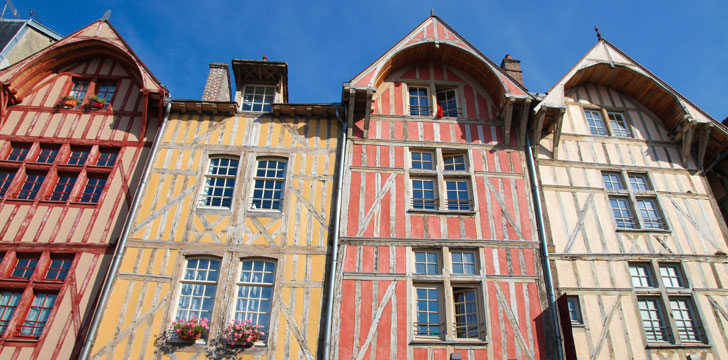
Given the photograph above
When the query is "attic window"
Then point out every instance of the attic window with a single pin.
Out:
(258, 98)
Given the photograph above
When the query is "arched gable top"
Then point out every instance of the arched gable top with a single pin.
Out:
(98, 38)
(434, 40)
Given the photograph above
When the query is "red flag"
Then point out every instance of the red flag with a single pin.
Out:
(439, 112)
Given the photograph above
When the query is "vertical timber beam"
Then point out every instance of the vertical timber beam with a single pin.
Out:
(687, 140)
(507, 116)
(350, 115)
(703, 144)
(557, 132)
(368, 113)
(524, 122)
(145, 114)
(538, 127)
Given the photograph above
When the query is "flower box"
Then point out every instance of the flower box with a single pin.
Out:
(98, 105)
(243, 333)
(69, 102)
(190, 329)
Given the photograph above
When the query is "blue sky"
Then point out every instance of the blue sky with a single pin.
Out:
(328, 42)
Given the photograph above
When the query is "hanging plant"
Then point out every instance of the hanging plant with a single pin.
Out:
(97, 102)
(69, 101)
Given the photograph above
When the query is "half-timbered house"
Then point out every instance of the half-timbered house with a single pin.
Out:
(437, 255)
(77, 120)
(233, 224)
(636, 241)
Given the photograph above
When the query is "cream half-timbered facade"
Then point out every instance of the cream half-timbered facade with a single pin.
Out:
(636, 242)
(234, 224)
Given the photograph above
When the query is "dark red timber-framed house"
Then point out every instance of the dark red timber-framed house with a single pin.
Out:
(77, 121)
(438, 256)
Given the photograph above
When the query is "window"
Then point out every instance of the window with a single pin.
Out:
(639, 182)
(93, 189)
(219, 182)
(640, 194)
(29, 301)
(18, 152)
(423, 194)
(622, 213)
(107, 157)
(31, 186)
(688, 328)
(47, 154)
(105, 91)
(653, 319)
(572, 302)
(428, 312)
(427, 262)
(463, 262)
(667, 294)
(671, 275)
(78, 156)
(619, 125)
(63, 187)
(419, 101)
(452, 290)
(197, 289)
(422, 160)
(38, 314)
(268, 188)
(612, 181)
(79, 90)
(8, 303)
(258, 98)
(641, 275)
(596, 124)
(6, 177)
(447, 100)
(58, 269)
(453, 182)
(466, 313)
(255, 292)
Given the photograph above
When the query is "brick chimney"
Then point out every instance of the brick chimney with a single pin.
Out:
(512, 67)
(217, 87)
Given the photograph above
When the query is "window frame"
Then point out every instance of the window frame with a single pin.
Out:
(578, 319)
(206, 197)
(441, 180)
(419, 109)
(263, 181)
(28, 289)
(607, 127)
(93, 84)
(263, 105)
(448, 284)
(633, 195)
(181, 281)
(447, 113)
(237, 283)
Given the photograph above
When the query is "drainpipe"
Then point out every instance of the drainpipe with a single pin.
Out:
(116, 261)
(542, 240)
(334, 253)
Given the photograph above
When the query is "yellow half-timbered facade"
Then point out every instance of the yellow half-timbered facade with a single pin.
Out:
(233, 224)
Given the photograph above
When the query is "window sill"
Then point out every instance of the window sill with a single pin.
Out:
(678, 346)
(657, 231)
(212, 210)
(442, 212)
(265, 213)
(458, 342)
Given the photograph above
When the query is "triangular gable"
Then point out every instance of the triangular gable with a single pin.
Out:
(100, 30)
(604, 52)
(434, 30)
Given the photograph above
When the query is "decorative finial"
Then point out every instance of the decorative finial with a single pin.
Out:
(107, 15)
(265, 57)
(432, 12)
(599, 35)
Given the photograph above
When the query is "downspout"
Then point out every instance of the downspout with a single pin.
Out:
(542, 240)
(116, 261)
(334, 252)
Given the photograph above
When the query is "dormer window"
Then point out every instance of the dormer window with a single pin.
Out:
(258, 98)
(79, 89)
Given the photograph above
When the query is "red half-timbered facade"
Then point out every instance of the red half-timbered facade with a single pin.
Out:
(77, 121)
(438, 255)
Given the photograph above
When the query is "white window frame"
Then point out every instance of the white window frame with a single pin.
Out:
(441, 179)
(259, 184)
(261, 285)
(634, 195)
(578, 318)
(448, 112)
(258, 106)
(209, 183)
(421, 110)
(182, 281)
(614, 123)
